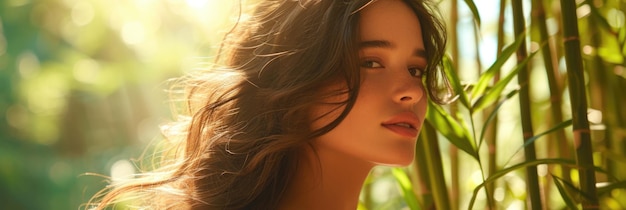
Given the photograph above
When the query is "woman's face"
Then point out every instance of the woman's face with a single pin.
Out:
(383, 125)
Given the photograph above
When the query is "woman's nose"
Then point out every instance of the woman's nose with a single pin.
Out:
(409, 89)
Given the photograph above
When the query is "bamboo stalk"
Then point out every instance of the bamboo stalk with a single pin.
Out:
(578, 100)
(422, 175)
(618, 103)
(492, 130)
(429, 146)
(558, 144)
(532, 178)
(553, 78)
(599, 95)
(452, 150)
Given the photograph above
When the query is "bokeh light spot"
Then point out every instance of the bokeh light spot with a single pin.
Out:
(615, 18)
(82, 13)
(498, 194)
(542, 170)
(594, 115)
(86, 71)
(122, 169)
(583, 11)
(133, 32)
(553, 26)
(28, 64)
(587, 49)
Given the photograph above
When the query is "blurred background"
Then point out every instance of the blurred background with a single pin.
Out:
(83, 90)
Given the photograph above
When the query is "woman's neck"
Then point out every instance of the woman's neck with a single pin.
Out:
(326, 179)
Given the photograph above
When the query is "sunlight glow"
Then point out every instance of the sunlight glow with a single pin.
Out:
(133, 32)
(542, 170)
(553, 26)
(498, 194)
(615, 18)
(122, 169)
(516, 205)
(583, 11)
(82, 13)
(197, 4)
(594, 115)
(86, 71)
(587, 49)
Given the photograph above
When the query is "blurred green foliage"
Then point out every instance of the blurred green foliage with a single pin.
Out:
(81, 87)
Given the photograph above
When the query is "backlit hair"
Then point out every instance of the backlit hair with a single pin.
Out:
(249, 113)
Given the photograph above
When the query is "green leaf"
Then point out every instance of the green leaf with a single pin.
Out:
(451, 129)
(505, 171)
(566, 197)
(474, 10)
(488, 75)
(555, 128)
(534, 138)
(451, 73)
(495, 111)
(603, 22)
(575, 189)
(494, 93)
(407, 188)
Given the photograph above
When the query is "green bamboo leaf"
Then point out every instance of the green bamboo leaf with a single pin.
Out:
(453, 77)
(555, 128)
(429, 145)
(407, 188)
(566, 197)
(575, 189)
(488, 75)
(474, 10)
(534, 138)
(505, 171)
(603, 22)
(495, 111)
(452, 130)
(494, 93)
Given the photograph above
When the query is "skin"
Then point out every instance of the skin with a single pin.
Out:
(392, 55)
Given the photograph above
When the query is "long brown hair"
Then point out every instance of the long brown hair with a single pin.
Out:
(249, 111)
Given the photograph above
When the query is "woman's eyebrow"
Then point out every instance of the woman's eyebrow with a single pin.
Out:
(387, 44)
(376, 44)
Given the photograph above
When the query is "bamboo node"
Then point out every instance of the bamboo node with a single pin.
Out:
(527, 135)
(582, 130)
(571, 38)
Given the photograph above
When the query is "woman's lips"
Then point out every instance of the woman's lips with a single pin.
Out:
(404, 124)
(402, 130)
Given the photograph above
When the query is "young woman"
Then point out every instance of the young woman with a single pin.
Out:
(306, 97)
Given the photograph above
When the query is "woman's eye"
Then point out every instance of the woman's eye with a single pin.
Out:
(371, 64)
(416, 72)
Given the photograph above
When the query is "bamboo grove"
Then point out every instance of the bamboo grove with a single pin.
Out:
(555, 138)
